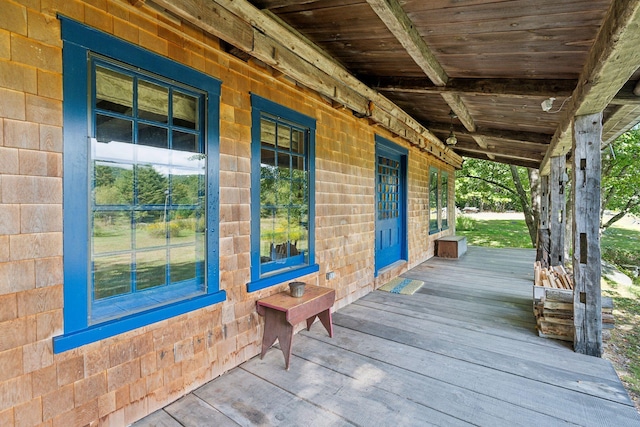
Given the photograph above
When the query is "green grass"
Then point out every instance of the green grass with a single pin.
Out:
(620, 246)
(498, 233)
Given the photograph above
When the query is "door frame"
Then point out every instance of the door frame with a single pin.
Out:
(383, 146)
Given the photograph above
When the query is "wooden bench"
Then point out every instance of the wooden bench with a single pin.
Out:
(282, 312)
(451, 246)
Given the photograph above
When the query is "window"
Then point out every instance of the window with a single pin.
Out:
(140, 187)
(434, 223)
(444, 205)
(282, 194)
(438, 200)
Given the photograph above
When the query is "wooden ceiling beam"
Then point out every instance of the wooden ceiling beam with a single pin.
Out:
(397, 21)
(500, 159)
(241, 24)
(510, 88)
(613, 58)
(520, 137)
(506, 153)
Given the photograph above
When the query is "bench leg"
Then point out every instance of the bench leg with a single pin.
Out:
(277, 327)
(325, 318)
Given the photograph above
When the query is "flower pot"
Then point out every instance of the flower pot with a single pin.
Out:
(296, 289)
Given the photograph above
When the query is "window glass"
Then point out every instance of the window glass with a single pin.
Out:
(283, 196)
(444, 206)
(148, 204)
(433, 200)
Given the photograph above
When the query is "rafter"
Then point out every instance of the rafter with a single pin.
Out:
(511, 88)
(613, 59)
(520, 137)
(397, 21)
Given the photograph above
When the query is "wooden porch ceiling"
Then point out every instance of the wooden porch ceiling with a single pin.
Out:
(407, 63)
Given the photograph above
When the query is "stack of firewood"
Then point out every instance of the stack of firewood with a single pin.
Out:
(553, 303)
(552, 277)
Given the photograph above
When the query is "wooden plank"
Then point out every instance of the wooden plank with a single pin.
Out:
(158, 419)
(194, 412)
(249, 400)
(357, 399)
(587, 304)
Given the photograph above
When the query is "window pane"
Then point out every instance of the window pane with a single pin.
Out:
(114, 91)
(297, 141)
(153, 136)
(112, 276)
(185, 142)
(153, 102)
(112, 184)
(187, 188)
(151, 269)
(267, 234)
(185, 110)
(113, 129)
(152, 187)
(284, 137)
(183, 264)
(151, 229)
(111, 231)
(433, 200)
(445, 200)
(268, 132)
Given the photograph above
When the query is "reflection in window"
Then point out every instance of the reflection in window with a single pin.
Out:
(148, 191)
(284, 195)
(433, 200)
(444, 205)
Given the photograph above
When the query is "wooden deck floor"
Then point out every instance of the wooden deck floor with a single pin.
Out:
(461, 351)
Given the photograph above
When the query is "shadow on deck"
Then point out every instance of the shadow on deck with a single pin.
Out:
(463, 350)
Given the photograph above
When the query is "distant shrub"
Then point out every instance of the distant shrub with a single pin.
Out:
(464, 223)
(160, 229)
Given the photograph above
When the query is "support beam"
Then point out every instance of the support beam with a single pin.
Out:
(542, 246)
(507, 88)
(557, 209)
(397, 21)
(587, 299)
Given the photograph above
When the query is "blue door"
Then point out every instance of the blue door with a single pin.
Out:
(391, 229)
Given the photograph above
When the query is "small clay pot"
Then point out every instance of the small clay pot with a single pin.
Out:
(296, 289)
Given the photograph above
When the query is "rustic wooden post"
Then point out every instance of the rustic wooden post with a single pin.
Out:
(542, 250)
(587, 300)
(557, 210)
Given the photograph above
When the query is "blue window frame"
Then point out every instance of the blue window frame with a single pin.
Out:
(282, 194)
(140, 187)
(434, 201)
(438, 200)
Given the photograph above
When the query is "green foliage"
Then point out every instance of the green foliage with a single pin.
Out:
(160, 229)
(621, 174)
(488, 186)
(465, 223)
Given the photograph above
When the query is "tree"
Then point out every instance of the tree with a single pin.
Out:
(620, 191)
(496, 186)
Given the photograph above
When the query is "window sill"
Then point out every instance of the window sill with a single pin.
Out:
(114, 327)
(265, 282)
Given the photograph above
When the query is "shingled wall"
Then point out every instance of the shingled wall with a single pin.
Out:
(121, 379)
